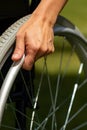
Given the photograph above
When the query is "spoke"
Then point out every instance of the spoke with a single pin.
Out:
(51, 113)
(37, 96)
(26, 87)
(82, 84)
(72, 98)
(57, 88)
(67, 64)
(51, 94)
(13, 112)
(10, 128)
(77, 113)
(80, 126)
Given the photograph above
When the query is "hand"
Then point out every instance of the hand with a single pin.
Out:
(35, 39)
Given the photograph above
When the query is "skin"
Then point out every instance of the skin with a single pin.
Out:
(35, 37)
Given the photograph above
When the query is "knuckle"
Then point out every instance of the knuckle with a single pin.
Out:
(35, 49)
(28, 64)
(53, 49)
(19, 35)
(45, 49)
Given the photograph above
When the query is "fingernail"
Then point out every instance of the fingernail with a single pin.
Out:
(15, 55)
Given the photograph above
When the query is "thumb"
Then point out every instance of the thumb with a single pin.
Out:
(19, 49)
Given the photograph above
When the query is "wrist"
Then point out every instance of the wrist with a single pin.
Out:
(48, 10)
(45, 13)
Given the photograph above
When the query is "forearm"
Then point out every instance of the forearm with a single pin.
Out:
(48, 10)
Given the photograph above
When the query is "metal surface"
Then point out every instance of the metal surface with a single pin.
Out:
(7, 84)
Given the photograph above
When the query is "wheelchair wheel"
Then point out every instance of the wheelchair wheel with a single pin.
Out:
(53, 96)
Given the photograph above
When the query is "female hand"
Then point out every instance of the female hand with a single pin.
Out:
(35, 39)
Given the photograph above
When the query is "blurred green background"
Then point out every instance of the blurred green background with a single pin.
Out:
(76, 11)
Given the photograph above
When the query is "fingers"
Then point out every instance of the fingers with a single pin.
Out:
(19, 48)
(45, 51)
(28, 62)
(31, 54)
(35, 42)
